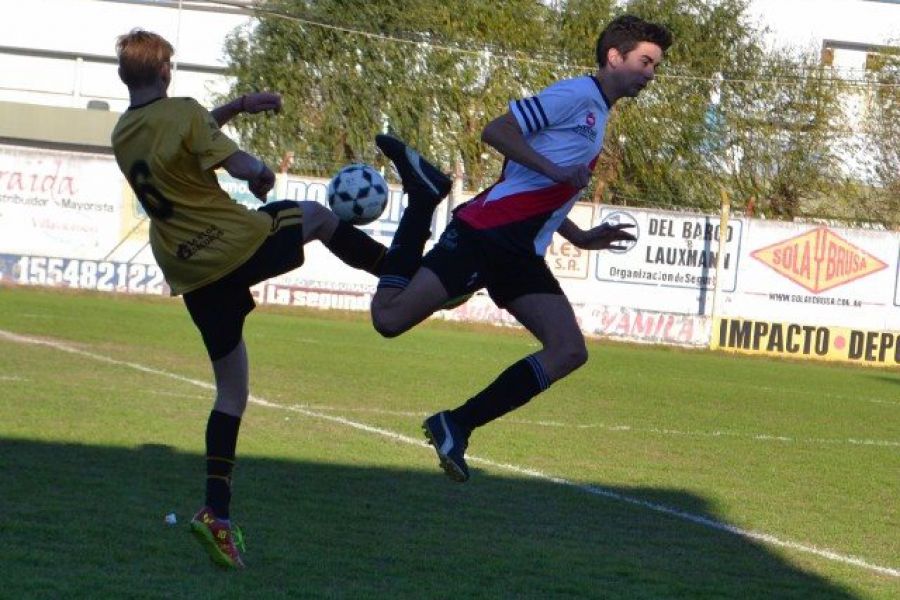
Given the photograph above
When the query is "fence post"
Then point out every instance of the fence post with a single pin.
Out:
(724, 213)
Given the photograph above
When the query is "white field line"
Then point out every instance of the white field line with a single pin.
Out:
(12, 378)
(590, 489)
(179, 395)
(762, 437)
(883, 402)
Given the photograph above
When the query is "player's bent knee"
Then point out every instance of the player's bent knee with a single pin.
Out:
(386, 326)
(387, 317)
(574, 357)
(580, 357)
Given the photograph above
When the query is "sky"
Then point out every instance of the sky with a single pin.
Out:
(805, 23)
(199, 37)
(47, 24)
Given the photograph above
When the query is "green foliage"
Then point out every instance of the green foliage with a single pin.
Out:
(880, 201)
(783, 128)
(421, 72)
(766, 126)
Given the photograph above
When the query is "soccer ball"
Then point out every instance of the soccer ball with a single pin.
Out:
(358, 194)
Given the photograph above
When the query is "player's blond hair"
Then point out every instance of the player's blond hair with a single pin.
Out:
(141, 56)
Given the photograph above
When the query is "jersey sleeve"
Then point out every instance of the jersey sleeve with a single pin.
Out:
(205, 140)
(551, 106)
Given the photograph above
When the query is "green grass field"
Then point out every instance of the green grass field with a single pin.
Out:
(649, 473)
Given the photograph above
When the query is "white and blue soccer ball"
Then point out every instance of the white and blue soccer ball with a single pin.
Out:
(358, 194)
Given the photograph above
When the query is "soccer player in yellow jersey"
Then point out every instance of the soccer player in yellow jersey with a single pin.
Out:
(210, 248)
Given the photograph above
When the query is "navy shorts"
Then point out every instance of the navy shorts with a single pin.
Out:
(219, 309)
(466, 261)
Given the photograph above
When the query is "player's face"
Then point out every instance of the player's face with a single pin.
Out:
(637, 68)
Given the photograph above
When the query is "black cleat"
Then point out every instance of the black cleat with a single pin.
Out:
(416, 173)
(450, 442)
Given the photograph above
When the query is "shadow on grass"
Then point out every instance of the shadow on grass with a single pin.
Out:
(888, 378)
(83, 521)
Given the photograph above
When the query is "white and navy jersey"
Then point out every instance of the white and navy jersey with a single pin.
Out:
(565, 123)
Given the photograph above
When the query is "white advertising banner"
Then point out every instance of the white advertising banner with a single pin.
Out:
(638, 325)
(817, 274)
(59, 203)
(670, 268)
(792, 289)
(814, 291)
(897, 278)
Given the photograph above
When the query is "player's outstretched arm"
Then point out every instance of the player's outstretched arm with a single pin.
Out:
(601, 237)
(260, 178)
(248, 103)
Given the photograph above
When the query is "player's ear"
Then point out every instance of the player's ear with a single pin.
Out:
(165, 72)
(613, 57)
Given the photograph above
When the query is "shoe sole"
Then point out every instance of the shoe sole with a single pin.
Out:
(202, 534)
(440, 188)
(447, 464)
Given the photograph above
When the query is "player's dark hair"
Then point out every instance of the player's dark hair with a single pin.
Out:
(141, 55)
(625, 32)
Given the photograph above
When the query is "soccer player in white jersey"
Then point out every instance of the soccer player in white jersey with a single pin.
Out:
(210, 248)
(498, 239)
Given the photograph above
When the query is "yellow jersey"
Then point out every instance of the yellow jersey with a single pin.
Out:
(168, 150)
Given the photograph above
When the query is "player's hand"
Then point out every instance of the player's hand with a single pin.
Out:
(262, 184)
(606, 236)
(261, 101)
(578, 176)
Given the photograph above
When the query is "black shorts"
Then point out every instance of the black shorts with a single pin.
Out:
(219, 309)
(466, 261)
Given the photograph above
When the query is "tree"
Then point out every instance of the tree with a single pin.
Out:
(660, 148)
(880, 199)
(723, 112)
(784, 129)
(427, 74)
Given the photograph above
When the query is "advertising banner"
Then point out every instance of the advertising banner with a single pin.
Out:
(638, 325)
(807, 273)
(83, 274)
(787, 289)
(784, 339)
(59, 203)
(670, 268)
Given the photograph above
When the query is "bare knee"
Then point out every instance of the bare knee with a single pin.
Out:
(232, 381)
(318, 222)
(232, 403)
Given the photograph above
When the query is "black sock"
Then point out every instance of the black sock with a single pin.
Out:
(356, 248)
(515, 386)
(221, 441)
(405, 254)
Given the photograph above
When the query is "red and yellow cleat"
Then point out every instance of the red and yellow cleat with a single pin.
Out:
(223, 542)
